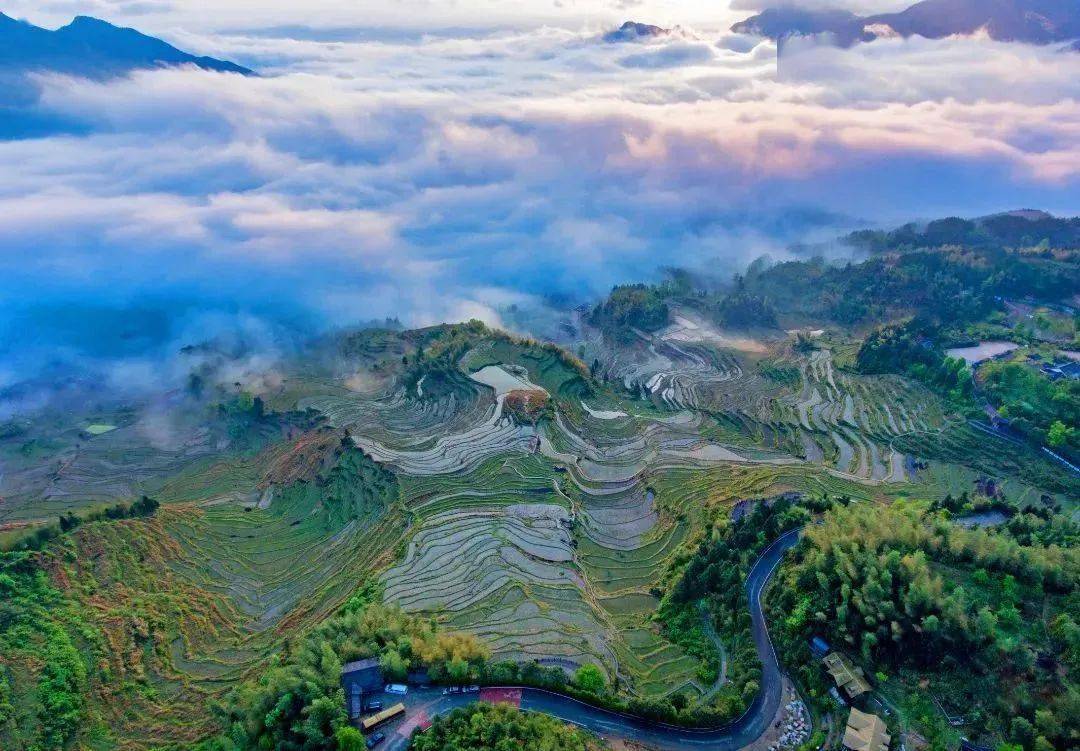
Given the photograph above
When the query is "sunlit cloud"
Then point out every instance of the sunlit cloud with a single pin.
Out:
(453, 171)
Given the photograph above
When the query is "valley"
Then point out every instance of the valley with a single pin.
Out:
(494, 487)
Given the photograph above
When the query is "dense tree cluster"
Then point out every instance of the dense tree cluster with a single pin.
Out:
(896, 586)
(631, 306)
(297, 704)
(39, 624)
(435, 358)
(1007, 230)
(721, 562)
(528, 407)
(439, 350)
(486, 727)
(714, 576)
(911, 348)
(953, 272)
(244, 421)
(746, 309)
(891, 349)
(950, 285)
(1046, 410)
(354, 487)
(69, 520)
(780, 372)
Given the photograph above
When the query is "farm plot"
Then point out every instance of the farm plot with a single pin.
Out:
(620, 521)
(509, 571)
(456, 452)
(626, 541)
(676, 441)
(671, 374)
(970, 453)
(499, 479)
(202, 593)
(657, 667)
(459, 557)
(54, 472)
(438, 436)
(524, 622)
(290, 561)
(505, 573)
(406, 421)
(860, 416)
(847, 422)
(540, 365)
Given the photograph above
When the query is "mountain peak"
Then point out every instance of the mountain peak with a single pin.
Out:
(90, 21)
(1030, 21)
(632, 31)
(93, 48)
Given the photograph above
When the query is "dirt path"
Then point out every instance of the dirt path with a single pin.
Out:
(721, 676)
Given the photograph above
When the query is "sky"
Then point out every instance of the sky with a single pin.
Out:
(439, 160)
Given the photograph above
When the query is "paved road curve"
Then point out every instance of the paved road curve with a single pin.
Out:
(741, 732)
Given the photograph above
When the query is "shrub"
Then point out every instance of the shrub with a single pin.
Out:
(590, 678)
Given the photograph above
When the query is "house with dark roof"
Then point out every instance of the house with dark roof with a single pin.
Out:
(361, 680)
(1069, 370)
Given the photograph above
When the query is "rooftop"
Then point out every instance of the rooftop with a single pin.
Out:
(848, 677)
(865, 732)
(358, 665)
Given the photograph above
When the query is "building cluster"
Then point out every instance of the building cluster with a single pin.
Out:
(864, 731)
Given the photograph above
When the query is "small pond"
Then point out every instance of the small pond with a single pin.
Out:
(992, 518)
(981, 351)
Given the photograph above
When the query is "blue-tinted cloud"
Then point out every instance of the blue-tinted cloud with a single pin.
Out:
(671, 55)
(447, 175)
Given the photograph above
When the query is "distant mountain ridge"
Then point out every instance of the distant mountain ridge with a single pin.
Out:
(633, 31)
(1031, 21)
(1012, 229)
(92, 48)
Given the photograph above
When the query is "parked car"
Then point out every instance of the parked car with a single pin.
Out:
(374, 705)
(375, 740)
(396, 688)
(473, 689)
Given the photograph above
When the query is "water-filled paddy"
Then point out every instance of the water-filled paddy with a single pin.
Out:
(981, 351)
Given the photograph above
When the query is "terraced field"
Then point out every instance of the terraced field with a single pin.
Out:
(855, 425)
(549, 548)
(246, 550)
(548, 537)
(59, 466)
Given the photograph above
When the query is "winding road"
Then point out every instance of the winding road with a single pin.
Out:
(427, 703)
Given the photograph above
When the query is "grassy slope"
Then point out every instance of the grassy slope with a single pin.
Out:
(164, 614)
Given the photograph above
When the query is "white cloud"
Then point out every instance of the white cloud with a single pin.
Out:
(453, 174)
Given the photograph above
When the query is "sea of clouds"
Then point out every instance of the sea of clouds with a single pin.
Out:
(436, 161)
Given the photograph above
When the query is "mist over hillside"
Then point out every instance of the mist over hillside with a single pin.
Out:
(466, 169)
(1028, 21)
(579, 376)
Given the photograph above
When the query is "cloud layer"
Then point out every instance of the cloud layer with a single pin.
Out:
(451, 173)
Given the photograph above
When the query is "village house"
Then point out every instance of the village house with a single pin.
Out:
(865, 732)
(849, 679)
(361, 680)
